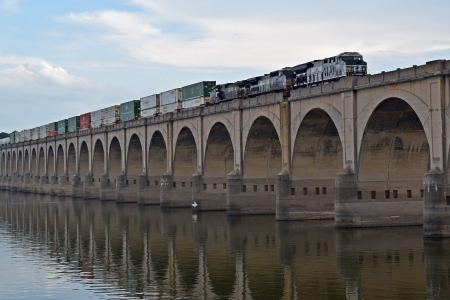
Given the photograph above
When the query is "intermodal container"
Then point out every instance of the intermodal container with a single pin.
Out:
(19, 136)
(96, 124)
(111, 121)
(170, 100)
(4, 141)
(12, 137)
(96, 115)
(85, 121)
(149, 112)
(149, 102)
(43, 131)
(130, 110)
(53, 126)
(52, 132)
(63, 126)
(110, 112)
(73, 124)
(27, 134)
(197, 90)
(35, 133)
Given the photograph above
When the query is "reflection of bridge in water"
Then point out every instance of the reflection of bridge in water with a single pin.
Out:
(144, 250)
(355, 150)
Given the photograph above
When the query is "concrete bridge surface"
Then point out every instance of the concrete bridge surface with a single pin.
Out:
(366, 151)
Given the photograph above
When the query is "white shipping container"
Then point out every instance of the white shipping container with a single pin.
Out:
(35, 133)
(195, 102)
(96, 124)
(169, 97)
(43, 131)
(110, 112)
(170, 107)
(20, 137)
(4, 141)
(149, 102)
(110, 121)
(149, 112)
(27, 135)
(96, 115)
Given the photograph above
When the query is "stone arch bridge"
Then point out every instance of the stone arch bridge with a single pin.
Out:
(355, 150)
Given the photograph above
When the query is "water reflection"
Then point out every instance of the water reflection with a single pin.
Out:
(123, 250)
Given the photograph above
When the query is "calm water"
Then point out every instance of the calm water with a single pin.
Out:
(56, 248)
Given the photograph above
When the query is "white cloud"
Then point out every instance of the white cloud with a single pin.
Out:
(9, 4)
(200, 34)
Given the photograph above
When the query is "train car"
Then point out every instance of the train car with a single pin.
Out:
(43, 131)
(4, 141)
(150, 105)
(85, 121)
(35, 133)
(170, 100)
(196, 94)
(63, 126)
(111, 115)
(73, 124)
(96, 118)
(52, 129)
(130, 110)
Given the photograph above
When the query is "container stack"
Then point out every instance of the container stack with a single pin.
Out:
(63, 126)
(197, 94)
(35, 133)
(4, 141)
(170, 100)
(27, 134)
(130, 110)
(52, 129)
(149, 105)
(43, 131)
(111, 115)
(85, 121)
(96, 119)
(12, 137)
(73, 124)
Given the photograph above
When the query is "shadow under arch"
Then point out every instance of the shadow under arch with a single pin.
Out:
(98, 160)
(115, 159)
(26, 164)
(50, 161)
(185, 158)
(71, 160)
(60, 161)
(83, 166)
(134, 157)
(157, 155)
(41, 162)
(219, 153)
(33, 165)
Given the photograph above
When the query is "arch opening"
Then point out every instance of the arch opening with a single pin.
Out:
(262, 156)
(219, 153)
(394, 146)
(41, 163)
(318, 150)
(115, 159)
(185, 162)
(33, 165)
(84, 160)
(3, 169)
(14, 163)
(20, 163)
(157, 155)
(8, 164)
(60, 161)
(98, 161)
(50, 161)
(26, 165)
(71, 160)
(134, 159)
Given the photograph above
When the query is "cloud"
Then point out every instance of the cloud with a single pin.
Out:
(200, 34)
(10, 5)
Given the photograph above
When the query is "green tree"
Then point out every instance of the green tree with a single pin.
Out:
(4, 135)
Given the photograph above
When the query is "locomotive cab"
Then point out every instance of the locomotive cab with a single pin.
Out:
(355, 64)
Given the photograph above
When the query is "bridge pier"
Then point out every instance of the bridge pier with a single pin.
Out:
(64, 187)
(27, 183)
(36, 179)
(176, 192)
(77, 187)
(90, 189)
(149, 190)
(14, 186)
(209, 193)
(126, 191)
(436, 209)
(44, 185)
(54, 185)
(107, 190)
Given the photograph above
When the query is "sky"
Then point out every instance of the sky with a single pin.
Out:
(60, 59)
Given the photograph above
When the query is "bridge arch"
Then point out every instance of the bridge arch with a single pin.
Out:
(26, 163)
(98, 160)
(262, 155)
(219, 152)
(274, 119)
(50, 161)
(135, 156)
(71, 160)
(60, 161)
(317, 148)
(3, 166)
(41, 162)
(20, 163)
(34, 162)
(394, 146)
(14, 162)
(115, 158)
(185, 158)
(418, 105)
(83, 166)
(157, 155)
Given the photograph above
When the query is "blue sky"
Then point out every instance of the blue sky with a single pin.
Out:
(64, 58)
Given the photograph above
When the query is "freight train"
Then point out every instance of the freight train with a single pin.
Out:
(204, 93)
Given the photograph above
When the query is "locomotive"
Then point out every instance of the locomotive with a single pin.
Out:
(303, 75)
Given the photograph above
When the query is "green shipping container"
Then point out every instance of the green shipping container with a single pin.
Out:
(73, 124)
(197, 90)
(53, 126)
(12, 137)
(130, 110)
(62, 126)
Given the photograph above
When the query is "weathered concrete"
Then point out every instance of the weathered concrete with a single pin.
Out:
(388, 128)
(436, 209)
